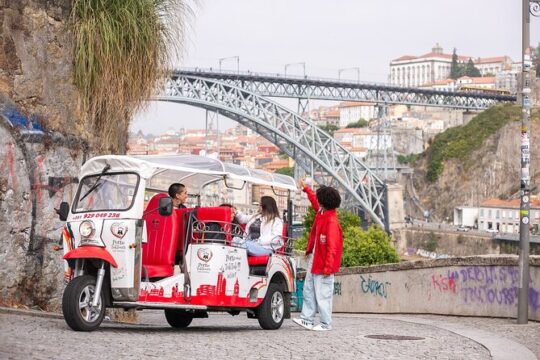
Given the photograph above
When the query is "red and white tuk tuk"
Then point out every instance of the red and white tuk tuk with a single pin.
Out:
(126, 247)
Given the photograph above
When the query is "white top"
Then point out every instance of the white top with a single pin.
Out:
(193, 171)
(271, 232)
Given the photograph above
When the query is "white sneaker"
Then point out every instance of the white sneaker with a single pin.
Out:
(321, 327)
(303, 323)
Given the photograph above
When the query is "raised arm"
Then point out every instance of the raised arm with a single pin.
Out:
(311, 196)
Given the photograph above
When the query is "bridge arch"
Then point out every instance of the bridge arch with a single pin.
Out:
(301, 139)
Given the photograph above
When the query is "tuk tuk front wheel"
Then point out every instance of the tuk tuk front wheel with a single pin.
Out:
(77, 307)
(177, 318)
(271, 312)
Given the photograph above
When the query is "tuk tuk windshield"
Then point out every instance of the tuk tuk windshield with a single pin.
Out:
(115, 191)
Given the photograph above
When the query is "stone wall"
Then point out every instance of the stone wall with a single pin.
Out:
(471, 286)
(450, 243)
(39, 172)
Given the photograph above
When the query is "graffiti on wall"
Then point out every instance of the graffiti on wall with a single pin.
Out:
(374, 286)
(491, 285)
(337, 288)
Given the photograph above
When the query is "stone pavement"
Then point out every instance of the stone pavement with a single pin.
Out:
(34, 335)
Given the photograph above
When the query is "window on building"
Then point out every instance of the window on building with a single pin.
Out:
(497, 214)
(482, 212)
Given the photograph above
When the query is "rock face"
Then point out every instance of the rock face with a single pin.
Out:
(39, 167)
(37, 178)
(36, 62)
(491, 171)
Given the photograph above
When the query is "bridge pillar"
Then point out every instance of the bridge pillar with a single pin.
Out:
(396, 213)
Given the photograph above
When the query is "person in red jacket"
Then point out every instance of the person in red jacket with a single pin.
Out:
(324, 249)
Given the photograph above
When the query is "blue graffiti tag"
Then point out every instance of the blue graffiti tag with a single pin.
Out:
(374, 286)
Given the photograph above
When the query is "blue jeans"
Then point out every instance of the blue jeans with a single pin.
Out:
(253, 248)
(318, 294)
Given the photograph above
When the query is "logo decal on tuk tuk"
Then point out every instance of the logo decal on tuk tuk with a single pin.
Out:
(204, 254)
(119, 229)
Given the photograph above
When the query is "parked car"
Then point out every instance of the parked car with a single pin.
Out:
(463, 228)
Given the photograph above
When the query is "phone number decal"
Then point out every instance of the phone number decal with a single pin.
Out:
(97, 216)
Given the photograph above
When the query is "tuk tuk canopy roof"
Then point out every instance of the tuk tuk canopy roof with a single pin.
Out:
(192, 170)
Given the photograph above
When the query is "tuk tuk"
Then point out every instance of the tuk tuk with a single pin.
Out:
(126, 247)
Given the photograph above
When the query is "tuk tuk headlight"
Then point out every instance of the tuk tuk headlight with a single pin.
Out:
(87, 228)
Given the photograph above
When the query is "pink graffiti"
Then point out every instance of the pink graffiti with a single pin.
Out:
(444, 284)
(9, 162)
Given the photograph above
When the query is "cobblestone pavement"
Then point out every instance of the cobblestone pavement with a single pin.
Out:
(225, 337)
(527, 335)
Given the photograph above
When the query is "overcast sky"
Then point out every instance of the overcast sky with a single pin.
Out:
(333, 34)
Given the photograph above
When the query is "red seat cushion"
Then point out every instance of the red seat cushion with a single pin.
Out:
(162, 239)
(258, 260)
(218, 214)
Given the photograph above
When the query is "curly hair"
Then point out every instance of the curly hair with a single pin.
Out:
(328, 197)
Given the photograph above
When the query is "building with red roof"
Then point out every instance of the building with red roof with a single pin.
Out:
(413, 71)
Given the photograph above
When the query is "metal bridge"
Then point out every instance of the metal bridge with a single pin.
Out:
(275, 85)
(311, 147)
(242, 97)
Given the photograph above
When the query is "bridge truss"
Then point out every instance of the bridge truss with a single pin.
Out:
(332, 89)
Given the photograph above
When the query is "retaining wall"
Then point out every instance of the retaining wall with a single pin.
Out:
(470, 286)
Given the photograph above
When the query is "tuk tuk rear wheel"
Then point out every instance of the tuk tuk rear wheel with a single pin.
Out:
(177, 318)
(271, 312)
(77, 307)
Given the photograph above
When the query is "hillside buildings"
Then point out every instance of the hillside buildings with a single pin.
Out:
(495, 215)
(432, 70)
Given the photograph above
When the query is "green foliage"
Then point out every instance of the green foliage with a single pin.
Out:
(121, 50)
(358, 124)
(330, 129)
(433, 242)
(367, 247)
(407, 159)
(459, 142)
(454, 67)
(470, 70)
(348, 219)
(286, 171)
(359, 247)
(458, 70)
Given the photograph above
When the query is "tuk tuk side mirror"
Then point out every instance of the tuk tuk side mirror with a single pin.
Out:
(63, 212)
(165, 206)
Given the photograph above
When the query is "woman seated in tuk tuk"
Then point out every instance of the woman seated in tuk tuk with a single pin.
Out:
(263, 233)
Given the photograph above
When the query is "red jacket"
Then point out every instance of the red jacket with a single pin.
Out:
(328, 236)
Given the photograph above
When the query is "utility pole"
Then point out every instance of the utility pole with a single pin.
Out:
(529, 7)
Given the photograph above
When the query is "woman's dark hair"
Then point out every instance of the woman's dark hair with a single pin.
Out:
(269, 208)
(328, 197)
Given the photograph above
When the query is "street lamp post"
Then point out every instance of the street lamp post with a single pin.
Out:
(303, 64)
(357, 69)
(231, 58)
(529, 7)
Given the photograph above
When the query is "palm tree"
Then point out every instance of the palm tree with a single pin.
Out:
(122, 49)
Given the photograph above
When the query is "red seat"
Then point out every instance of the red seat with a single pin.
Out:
(220, 215)
(162, 238)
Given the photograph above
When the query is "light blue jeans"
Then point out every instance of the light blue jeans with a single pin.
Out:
(253, 248)
(318, 294)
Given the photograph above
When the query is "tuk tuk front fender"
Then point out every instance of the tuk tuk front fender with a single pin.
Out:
(91, 252)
